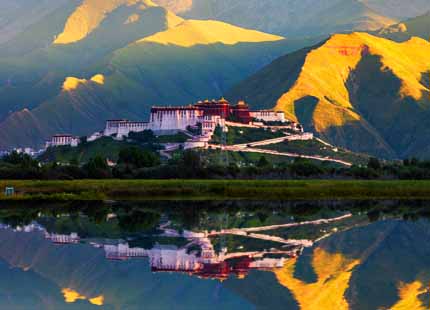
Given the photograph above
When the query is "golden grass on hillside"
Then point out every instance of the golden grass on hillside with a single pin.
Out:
(195, 32)
(408, 293)
(72, 296)
(72, 83)
(327, 69)
(333, 271)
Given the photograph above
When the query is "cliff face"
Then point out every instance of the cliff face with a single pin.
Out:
(359, 91)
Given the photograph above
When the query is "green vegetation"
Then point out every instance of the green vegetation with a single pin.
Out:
(109, 148)
(137, 162)
(135, 157)
(105, 147)
(148, 136)
(242, 135)
(314, 147)
(218, 157)
(212, 189)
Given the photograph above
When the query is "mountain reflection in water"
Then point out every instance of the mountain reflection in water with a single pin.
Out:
(280, 256)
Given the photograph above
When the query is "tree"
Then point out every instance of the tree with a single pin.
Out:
(97, 168)
(21, 159)
(146, 136)
(191, 159)
(263, 162)
(83, 140)
(306, 168)
(374, 163)
(138, 158)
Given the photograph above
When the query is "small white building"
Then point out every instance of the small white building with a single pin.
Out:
(268, 116)
(209, 123)
(63, 140)
(63, 239)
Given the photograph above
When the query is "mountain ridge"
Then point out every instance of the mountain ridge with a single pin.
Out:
(287, 18)
(337, 90)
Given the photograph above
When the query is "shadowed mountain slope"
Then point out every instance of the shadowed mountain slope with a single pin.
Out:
(414, 27)
(399, 8)
(17, 15)
(285, 17)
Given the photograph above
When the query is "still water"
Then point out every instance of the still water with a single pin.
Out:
(216, 255)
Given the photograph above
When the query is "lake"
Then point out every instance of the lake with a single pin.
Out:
(216, 255)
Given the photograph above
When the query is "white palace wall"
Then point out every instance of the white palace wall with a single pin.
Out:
(174, 119)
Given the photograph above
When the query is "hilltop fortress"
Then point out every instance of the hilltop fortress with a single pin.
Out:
(207, 113)
(204, 116)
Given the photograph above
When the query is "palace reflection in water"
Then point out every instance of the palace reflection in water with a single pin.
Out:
(299, 256)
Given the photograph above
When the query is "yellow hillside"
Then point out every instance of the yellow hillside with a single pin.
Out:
(195, 32)
(327, 68)
(89, 15)
(333, 271)
(72, 83)
(409, 296)
(71, 296)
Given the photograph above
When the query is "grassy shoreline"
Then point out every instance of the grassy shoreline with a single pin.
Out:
(96, 190)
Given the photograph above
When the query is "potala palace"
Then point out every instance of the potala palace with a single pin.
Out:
(206, 115)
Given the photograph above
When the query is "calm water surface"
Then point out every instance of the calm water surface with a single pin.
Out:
(223, 255)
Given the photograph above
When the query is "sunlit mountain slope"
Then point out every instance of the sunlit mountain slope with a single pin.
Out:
(91, 14)
(333, 272)
(194, 32)
(409, 294)
(366, 93)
